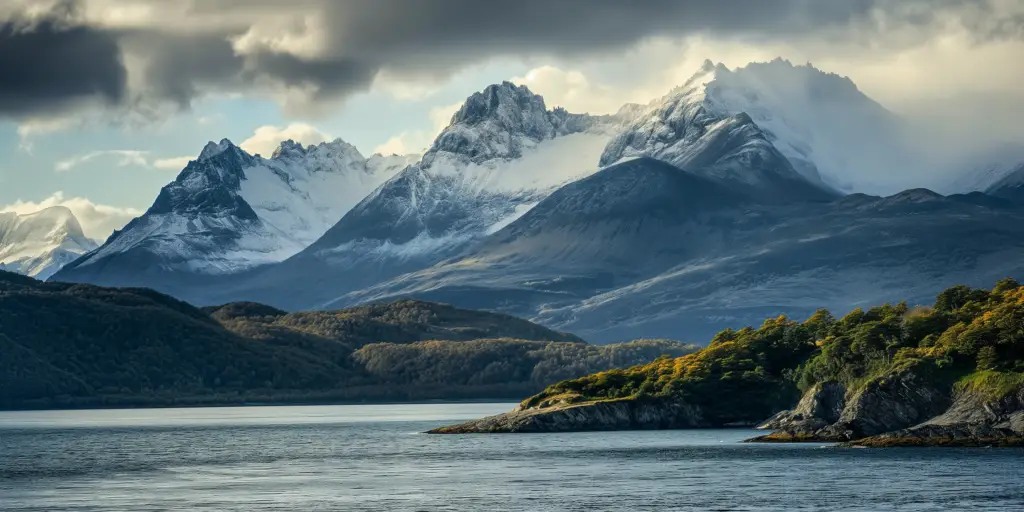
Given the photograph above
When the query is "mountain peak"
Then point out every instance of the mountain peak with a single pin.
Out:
(816, 119)
(499, 122)
(511, 105)
(39, 243)
(213, 149)
(337, 147)
(288, 147)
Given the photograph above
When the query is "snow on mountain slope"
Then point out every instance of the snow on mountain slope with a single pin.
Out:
(40, 243)
(502, 152)
(820, 122)
(228, 211)
(1009, 185)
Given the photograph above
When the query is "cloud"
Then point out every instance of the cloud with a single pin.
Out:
(98, 220)
(210, 119)
(29, 129)
(571, 90)
(125, 157)
(135, 54)
(176, 163)
(53, 63)
(418, 141)
(266, 139)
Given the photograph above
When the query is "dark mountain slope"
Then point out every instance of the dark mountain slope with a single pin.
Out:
(605, 260)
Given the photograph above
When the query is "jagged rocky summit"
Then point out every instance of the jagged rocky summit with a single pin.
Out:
(229, 211)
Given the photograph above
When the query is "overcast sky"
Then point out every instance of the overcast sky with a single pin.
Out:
(103, 101)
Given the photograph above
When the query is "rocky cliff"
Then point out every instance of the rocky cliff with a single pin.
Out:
(883, 405)
(976, 417)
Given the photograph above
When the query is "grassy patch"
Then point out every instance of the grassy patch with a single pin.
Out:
(991, 384)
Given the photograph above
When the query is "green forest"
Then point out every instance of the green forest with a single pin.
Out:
(967, 338)
(74, 345)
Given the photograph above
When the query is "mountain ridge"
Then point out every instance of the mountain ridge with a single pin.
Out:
(768, 146)
(228, 211)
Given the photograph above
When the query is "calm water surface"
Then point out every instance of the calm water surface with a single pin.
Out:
(356, 458)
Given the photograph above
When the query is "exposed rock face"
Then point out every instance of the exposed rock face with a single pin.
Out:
(883, 405)
(820, 406)
(972, 420)
(887, 404)
(591, 416)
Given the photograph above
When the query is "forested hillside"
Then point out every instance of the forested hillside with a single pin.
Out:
(80, 345)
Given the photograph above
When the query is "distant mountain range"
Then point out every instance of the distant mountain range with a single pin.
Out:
(40, 243)
(739, 194)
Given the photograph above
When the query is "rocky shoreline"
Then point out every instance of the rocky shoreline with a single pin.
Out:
(902, 409)
(589, 416)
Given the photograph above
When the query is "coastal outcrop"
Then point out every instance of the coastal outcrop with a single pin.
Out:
(882, 405)
(977, 417)
(947, 375)
(592, 416)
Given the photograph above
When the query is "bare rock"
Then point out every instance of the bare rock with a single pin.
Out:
(632, 414)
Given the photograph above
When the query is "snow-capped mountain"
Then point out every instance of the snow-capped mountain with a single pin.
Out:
(229, 211)
(1009, 185)
(711, 207)
(38, 244)
(779, 120)
(502, 152)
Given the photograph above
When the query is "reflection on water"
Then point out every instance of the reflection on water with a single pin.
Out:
(373, 458)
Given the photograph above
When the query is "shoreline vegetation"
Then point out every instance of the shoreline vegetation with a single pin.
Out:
(951, 374)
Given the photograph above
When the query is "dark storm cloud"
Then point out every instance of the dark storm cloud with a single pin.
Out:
(176, 67)
(47, 65)
(184, 54)
(468, 26)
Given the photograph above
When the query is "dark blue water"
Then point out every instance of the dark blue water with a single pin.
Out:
(373, 458)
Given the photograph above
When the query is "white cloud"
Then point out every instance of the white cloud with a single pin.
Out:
(176, 163)
(98, 220)
(405, 88)
(30, 128)
(571, 90)
(403, 144)
(301, 36)
(125, 157)
(418, 141)
(267, 138)
(210, 119)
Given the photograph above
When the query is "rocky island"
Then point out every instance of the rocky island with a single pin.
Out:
(951, 374)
